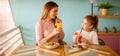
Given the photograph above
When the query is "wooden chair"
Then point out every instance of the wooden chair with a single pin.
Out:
(101, 42)
(10, 41)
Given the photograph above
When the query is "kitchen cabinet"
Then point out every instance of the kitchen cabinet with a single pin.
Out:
(112, 40)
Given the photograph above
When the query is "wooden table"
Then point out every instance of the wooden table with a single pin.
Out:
(95, 51)
(64, 50)
(59, 51)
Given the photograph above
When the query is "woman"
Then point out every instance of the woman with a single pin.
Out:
(45, 27)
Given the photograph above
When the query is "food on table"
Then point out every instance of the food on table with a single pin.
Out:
(51, 45)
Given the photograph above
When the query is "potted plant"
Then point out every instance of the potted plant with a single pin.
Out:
(104, 7)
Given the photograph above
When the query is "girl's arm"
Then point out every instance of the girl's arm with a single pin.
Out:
(95, 39)
(75, 37)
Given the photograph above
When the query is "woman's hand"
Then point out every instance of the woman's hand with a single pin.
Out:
(56, 31)
(59, 20)
(58, 23)
(53, 33)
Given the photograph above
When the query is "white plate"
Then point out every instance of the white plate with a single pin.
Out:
(82, 44)
(76, 47)
(51, 45)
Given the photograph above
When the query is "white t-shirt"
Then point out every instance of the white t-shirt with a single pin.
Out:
(90, 36)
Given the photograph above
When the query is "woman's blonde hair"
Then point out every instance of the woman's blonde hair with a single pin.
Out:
(47, 7)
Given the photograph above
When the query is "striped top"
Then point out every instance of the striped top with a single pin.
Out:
(43, 29)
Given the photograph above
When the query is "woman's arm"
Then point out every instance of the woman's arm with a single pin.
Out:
(41, 39)
(52, 34)
(61, 34)
(39, 33)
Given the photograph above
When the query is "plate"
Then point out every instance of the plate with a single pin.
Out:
(51, 45)
(82, 44)
(76, 47)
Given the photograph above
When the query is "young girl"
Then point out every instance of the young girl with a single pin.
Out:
(46, 31)
(88, 32)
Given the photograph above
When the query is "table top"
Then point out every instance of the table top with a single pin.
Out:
(65, 50)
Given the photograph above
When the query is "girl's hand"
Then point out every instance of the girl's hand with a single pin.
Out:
(78, 37)
(84, 40)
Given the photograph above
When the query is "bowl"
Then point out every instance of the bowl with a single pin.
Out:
(51, 45)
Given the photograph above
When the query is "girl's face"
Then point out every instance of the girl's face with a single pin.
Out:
(53, 12)
(86, 25)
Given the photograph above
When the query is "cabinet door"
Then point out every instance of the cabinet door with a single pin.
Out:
(119, 46)
(112, 42)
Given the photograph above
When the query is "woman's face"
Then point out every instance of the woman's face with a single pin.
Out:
(86, 25)
(53, 12)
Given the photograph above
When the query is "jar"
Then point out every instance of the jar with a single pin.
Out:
(114, 29)
(105, 29)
